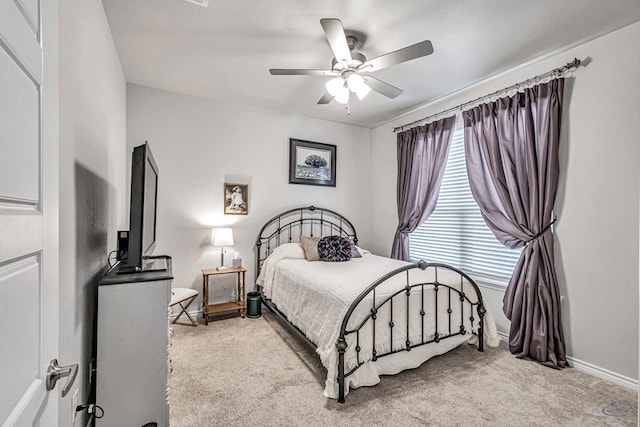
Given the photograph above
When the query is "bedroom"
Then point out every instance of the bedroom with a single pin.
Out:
(596, 241)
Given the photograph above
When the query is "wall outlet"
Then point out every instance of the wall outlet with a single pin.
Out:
(74, 405)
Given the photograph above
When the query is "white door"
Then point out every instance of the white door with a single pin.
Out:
(28, 211)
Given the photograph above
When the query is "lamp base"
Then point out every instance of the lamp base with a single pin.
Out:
(222, 268)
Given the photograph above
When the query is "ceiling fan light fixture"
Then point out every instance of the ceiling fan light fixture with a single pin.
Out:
(335, 86)
(343, 96)
(354, 81)
(356, 84)
(362, 91)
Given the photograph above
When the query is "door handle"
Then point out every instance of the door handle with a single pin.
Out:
(55, 372)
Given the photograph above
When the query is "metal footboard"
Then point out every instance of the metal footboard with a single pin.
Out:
(367, 300)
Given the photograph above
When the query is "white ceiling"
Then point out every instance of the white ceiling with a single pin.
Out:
(223, 52)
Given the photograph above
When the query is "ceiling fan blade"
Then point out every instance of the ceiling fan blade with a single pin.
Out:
(337, 40)
(301, 72)
(396, 57)
(381, 87)
(326, 98)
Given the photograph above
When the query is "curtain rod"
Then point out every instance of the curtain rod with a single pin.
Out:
(558, 72)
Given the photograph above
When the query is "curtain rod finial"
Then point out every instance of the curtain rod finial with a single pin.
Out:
(574, 64)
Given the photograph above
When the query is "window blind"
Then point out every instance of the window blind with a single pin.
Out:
(456, 234)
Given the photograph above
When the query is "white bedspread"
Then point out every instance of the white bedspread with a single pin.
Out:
(315, 296)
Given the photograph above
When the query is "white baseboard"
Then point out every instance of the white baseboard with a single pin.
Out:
(603, 373)
(594, 370)
(195, 314)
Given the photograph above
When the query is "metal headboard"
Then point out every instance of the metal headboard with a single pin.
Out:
(288, 226)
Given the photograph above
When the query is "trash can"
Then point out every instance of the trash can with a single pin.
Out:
(254, 302)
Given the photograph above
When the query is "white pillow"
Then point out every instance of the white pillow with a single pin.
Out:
(288, 250)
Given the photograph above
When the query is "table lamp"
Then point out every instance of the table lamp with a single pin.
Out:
(222, 237)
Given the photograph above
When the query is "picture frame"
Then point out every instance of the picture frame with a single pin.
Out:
(236, 199)
(312, 163)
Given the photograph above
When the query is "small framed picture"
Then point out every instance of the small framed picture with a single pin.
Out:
(236, 199)
(312, 163)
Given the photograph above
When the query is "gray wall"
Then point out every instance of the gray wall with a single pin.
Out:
(200, 144)
(92, 177)
(597, 204)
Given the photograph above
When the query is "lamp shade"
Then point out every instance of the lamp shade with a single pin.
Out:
(222, 237)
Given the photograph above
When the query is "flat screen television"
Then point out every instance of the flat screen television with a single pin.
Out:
(142, 210)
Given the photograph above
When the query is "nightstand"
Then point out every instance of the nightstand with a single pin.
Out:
(239, 304)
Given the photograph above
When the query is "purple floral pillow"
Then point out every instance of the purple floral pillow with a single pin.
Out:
(334, 249)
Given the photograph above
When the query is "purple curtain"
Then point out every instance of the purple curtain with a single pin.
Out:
(422, 155)
(512, 161)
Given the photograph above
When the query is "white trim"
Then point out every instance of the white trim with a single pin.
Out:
(603, 373)
(493, 286)
(594, 370)
(203, 3)
(195, 314)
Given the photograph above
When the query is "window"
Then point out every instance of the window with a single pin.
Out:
(456, 234)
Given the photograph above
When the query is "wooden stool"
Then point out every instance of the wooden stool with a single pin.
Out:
(183, 297)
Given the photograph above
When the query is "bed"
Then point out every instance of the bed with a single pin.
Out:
(369, 316)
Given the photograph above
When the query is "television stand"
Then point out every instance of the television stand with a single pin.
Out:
(132, 348)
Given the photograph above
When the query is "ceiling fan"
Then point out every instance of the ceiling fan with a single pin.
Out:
(351, 69)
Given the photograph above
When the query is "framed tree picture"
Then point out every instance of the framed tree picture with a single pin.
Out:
(312, 163)
(236, 199)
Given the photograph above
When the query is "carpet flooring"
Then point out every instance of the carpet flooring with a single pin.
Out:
(238, 371)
